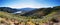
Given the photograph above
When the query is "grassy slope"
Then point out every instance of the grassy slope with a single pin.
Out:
(10, 16)
(45, 19)
(50, 16)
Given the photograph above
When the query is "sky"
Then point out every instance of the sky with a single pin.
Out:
(29, 3)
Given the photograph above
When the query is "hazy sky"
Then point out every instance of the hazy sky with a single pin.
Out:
(29, 3)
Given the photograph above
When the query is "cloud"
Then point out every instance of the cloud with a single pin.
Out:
(25, 3)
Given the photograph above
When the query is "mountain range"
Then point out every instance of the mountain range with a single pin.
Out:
(11, 10)
(31, 12)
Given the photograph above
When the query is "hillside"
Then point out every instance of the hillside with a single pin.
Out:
(7, 15)
(42, 12)
(40, 16)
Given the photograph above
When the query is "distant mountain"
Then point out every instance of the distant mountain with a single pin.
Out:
(27, 9)
(16, 11)
(8, 9)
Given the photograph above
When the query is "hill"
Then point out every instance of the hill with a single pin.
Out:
(42, 12)
(40, 15)
(8, 9)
